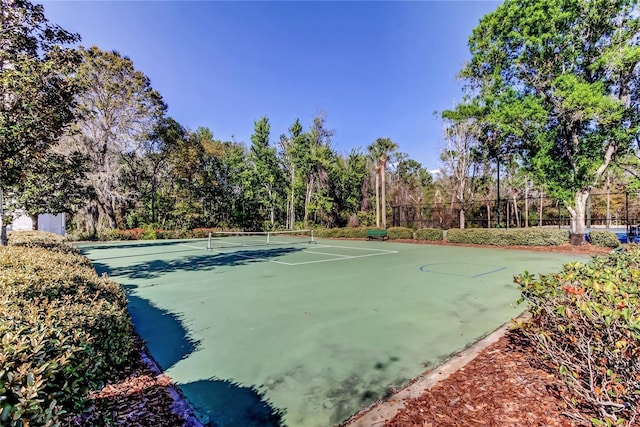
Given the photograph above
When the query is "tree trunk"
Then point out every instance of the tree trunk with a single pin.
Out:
(578, 213)
(292, 212)
(608, 201)
(377, 196)
(4, 241)
(307, 202)
(34, 221)
(383, 207)
(540, 211)
(461, 217)
(526, 204)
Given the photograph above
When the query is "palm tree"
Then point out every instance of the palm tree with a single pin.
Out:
(379, 152)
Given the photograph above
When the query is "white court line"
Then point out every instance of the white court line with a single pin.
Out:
(192, 247)
(324, 253)
(341, 259)
(386, 251)
(250, 257)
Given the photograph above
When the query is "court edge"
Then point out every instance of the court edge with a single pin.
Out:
(381, 411)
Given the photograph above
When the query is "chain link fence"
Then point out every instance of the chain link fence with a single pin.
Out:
(604, 210)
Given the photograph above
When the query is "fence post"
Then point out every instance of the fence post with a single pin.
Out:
(626, 204)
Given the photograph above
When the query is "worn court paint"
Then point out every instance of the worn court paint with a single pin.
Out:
(310, 334)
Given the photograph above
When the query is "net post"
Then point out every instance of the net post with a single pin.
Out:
(312, 239)
(209, 247)
(268, 237)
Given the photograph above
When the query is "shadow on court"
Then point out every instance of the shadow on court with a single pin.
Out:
(129, 244)
(227, 403)
(206, 261)
(166, 337)
(231, 404)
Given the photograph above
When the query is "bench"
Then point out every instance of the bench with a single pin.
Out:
(377, 234)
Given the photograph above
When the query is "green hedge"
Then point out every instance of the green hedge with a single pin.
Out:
(586, 325)
(607, 239)
(514, 237)
(40, 239)
(399, 233)
(64, 331)
(346, 232)
(431, 234)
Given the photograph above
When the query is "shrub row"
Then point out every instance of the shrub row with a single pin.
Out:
(519, 237)
(64, 330)
(430, 234)
(514, 237)
(40, 239)
(346, 232)
(586, 325)
(607, 239)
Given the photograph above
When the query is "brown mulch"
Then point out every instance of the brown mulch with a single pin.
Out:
(140, 396)
(500, 387)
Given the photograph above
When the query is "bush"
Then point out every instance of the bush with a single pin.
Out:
(64, 330)
(514, 237)
(347, 232)
(399, 233)
(607, 239)
(431, 234)
(40, 239)
(586, 326)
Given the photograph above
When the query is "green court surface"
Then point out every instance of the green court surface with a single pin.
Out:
(307, 335)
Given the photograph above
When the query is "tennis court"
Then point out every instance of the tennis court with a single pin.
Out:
(305, 334)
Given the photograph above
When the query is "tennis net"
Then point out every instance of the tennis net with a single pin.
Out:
(230, 239)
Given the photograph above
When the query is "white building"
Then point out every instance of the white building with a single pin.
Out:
(46, 222)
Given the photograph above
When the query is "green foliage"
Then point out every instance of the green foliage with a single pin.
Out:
(346, 232)
(41, 239)
(515, 237)
(64, 330)
(604, 238)
(399, 233)
(157, 233)
(554, 80)
(431, 234)
(36, 87)
(586, 325)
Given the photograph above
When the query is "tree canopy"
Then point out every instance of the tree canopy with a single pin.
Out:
(558, 80)
(37, 92)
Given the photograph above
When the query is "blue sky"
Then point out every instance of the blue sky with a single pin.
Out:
(377, 69)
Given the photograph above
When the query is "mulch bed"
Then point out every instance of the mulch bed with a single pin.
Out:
(500, 387)
(140, 396)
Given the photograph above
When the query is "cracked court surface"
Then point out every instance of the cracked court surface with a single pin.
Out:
(307, 335)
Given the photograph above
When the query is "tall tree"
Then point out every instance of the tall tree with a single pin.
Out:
(267, 177)
(315, 165)
(380, 151)
(119, 110)
(461, 134)
(561, 78)
(36, 90)
(293, 154)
